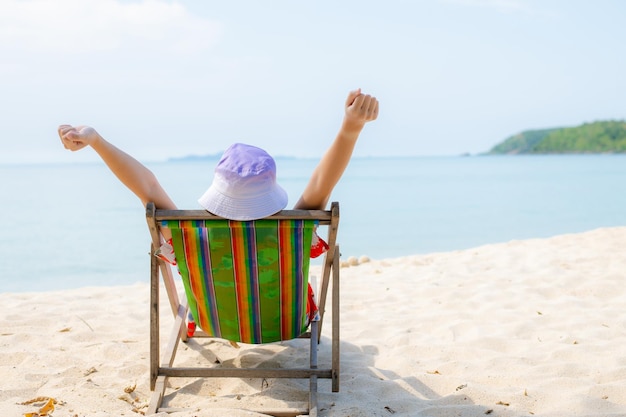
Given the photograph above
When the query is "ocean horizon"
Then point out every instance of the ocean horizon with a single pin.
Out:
(75, 225)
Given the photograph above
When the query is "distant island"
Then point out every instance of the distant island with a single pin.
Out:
(597, 137)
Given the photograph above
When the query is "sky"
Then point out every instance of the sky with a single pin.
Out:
(165, 78)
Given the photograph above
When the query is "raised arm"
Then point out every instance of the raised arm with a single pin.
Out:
(359, 109)
(139, 179)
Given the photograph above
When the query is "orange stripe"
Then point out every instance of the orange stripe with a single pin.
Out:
(286, 282)
(196, 275)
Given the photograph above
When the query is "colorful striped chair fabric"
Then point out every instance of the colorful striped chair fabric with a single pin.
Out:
(245, 281)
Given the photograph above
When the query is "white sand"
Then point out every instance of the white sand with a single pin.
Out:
(534, 327)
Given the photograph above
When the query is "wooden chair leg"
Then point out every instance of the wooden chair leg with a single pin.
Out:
(157, 396)
(313, 396)
(154, 321)
(313, 365)
(335, 325)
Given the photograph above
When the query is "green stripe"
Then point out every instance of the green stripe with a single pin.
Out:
(269, 282)
(223, 281)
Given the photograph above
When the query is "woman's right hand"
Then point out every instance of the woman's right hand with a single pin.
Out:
(75, 138)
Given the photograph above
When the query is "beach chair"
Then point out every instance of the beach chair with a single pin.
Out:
(244, 281)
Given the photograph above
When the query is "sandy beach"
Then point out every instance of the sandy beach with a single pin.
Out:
(523, 328)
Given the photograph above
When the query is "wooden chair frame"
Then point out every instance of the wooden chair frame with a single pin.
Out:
(162, 368)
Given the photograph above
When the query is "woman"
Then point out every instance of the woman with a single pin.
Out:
(244, 185)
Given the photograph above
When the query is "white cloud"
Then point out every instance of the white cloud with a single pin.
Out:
(79, 26)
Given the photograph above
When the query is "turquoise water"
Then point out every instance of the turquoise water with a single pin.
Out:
(68, 226)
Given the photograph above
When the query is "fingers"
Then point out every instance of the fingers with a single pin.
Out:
(70, 138)
(63, 129)
(373, 109)
(365, 107)
(352, 95)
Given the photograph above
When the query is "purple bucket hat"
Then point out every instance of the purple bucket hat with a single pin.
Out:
(244, 186)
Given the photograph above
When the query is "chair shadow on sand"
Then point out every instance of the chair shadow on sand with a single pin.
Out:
(365, 389)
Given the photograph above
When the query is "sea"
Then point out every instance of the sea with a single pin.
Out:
(74, 225)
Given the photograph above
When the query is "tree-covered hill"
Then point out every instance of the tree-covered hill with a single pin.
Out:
(596, 137)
